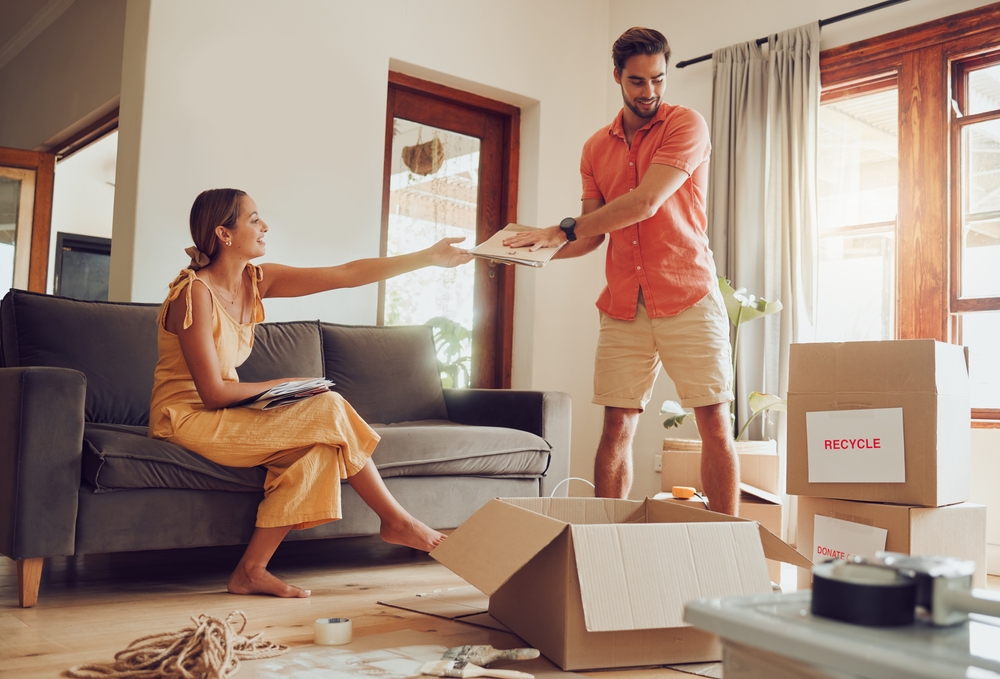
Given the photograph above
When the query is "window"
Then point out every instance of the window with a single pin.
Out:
(858, 174)
(939, 253)
(451, 170)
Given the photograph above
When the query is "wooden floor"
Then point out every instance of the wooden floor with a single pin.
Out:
(91, 607)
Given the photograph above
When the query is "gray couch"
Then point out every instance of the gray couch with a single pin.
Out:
(78, 475)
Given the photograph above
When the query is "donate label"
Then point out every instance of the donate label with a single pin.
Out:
(856, 446)
(836, 539)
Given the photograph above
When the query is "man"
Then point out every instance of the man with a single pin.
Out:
(644, 183)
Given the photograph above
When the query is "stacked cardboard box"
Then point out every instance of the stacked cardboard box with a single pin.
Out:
(760, 490)
(879, 451)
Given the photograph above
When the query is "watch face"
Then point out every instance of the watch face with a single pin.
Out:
(568, 223)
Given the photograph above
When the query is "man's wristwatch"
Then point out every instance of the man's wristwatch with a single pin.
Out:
(568, 227)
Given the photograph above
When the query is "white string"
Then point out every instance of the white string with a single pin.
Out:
(567, 479)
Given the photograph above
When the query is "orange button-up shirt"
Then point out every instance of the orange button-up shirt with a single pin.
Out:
(666, 255)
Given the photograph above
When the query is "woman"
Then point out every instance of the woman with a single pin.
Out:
(206, 329)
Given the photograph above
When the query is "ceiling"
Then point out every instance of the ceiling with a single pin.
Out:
(22, 20)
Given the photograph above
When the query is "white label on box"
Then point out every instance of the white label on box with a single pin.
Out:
(856, 446)
(836, 539)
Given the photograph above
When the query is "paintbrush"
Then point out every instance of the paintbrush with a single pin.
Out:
(483, 655)
(462, 669)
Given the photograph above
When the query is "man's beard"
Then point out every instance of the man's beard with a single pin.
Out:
(638, 111)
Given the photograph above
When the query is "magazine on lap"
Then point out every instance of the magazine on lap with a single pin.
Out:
(285, 394)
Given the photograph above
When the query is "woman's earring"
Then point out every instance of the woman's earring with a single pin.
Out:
(229, 242)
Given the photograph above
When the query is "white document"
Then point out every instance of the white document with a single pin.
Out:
(494, 248)
(856, 446)
(836, 539)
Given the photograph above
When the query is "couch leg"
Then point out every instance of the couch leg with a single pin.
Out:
(29, 577)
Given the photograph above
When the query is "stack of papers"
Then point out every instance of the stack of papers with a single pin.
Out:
(286, 393)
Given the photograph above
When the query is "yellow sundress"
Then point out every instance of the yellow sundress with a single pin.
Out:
(307, 447)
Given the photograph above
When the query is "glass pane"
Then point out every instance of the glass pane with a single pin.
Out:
(979, 333)
(10, 193)
(984, 90)
(858, 163)
(433, 194)
(981, 209)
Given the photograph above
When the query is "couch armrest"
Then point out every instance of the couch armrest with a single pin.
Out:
(547, 414)
(41, 444)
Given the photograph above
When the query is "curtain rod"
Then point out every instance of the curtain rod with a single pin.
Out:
(822, 22)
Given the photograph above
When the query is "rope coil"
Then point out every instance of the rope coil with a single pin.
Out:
(212, 649)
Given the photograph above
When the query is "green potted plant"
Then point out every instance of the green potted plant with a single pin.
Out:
(741, 308)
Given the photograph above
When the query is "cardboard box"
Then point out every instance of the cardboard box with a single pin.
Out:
(596, 583)
(755, 505)
(681, 464)
(764, 508)
(956, 530)
(927, 381)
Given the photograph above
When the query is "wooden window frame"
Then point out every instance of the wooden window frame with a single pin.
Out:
(493, 333)
(928, 231)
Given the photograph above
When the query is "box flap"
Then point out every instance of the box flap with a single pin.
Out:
(492, 544)
(639, 576)
(452, 603)
(577, 510)
(777, 549)
(770, 498)
(774, 547)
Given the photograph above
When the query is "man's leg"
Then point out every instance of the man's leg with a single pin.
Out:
(613, 464)
(720, 467)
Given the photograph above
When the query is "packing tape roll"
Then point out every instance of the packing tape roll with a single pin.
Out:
(862, 594)
(333, 631)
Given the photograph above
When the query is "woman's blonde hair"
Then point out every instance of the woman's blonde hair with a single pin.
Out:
(213, 208)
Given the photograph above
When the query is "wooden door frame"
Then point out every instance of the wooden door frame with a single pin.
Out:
(44, 165)
(492, 364)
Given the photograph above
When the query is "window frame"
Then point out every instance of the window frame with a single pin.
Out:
(923, 59)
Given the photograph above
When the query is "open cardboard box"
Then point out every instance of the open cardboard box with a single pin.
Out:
(595, 583)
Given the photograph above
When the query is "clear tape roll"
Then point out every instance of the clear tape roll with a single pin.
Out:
(333, 631)
(862, 594)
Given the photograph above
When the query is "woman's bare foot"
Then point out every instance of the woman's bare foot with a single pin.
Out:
(411, 533)
(246, 580)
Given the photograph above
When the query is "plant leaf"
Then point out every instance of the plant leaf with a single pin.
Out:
(760, 402)
(739, 314)
(675, 414)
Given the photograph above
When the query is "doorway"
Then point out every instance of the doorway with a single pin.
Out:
(451, 161)
(25, 207)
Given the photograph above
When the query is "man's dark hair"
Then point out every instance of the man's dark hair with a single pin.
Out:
(638, 40)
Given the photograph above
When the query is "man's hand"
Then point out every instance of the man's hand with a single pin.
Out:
(445, 254)
(551, 237)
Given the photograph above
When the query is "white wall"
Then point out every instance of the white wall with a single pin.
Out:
(83, 195)
(69, 75)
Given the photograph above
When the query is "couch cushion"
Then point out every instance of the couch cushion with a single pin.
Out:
(293, 349)
(112, 343)
(119, 457)
(437, 448)
(388, 373)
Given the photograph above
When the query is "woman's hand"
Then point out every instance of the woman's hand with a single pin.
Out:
(444, 253)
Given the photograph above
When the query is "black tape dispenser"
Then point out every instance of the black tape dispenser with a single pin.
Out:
(897, 589)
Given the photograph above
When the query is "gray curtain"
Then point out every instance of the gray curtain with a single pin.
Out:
(762, 220)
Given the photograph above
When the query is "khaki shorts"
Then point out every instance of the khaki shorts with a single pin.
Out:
(692, 346)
